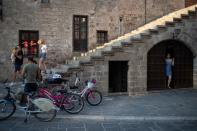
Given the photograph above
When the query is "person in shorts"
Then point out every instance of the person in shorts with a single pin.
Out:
(31, 73)
(43, 55)
(18, 62)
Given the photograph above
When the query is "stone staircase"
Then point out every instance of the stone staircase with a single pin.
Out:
(135, 37)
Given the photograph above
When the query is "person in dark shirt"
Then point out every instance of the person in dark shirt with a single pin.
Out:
(18, 62)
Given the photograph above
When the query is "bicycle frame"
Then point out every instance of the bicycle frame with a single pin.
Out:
(9, 98)
(57, 99)
(87, 88)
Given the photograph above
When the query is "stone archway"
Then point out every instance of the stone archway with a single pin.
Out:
(182, 70)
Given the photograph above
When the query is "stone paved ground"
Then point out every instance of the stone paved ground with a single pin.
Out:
(16, 124)
(167, 110)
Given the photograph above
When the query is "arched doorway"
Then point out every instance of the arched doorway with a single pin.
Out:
(183, 65)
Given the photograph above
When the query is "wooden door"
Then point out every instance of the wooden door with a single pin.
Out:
(155, 70)
(183, 68)
(182, 71)
(80, 33)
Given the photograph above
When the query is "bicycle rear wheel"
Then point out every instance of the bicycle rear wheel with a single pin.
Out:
(44, 116)
(73, 103)
(94, 97)
(7, 109)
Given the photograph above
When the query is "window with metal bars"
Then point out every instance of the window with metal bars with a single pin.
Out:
(102, 37)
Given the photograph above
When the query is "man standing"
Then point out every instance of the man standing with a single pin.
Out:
(31, 73)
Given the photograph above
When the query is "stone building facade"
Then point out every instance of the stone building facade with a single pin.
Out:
(135, 63)
(53, 21)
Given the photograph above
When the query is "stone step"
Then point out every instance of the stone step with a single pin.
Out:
(145, 36)
(162, 28)
(192, 12)
(127, 44)
(153, 31)
(170, 24)
(71, 69)
(86, 63)
(137, 40)
(185, 16)
(117, 49)
(177, 20)
(97, 58)
(107, 53)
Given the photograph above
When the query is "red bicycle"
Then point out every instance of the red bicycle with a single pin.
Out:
(70, 102)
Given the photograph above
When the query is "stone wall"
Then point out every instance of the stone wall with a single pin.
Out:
(54, 22)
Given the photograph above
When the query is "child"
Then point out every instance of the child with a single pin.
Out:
(43, 54)
(13, 57)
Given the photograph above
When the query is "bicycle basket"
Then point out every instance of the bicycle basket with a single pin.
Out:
(44, 104)
(90, 84)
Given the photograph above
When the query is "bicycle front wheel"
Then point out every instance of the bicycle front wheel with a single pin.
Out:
(94, 97)
(73, 103)
(44, 116)
(7, 109)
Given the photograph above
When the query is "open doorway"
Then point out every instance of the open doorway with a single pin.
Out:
(182, 71)
(170, 51)
(118, 71)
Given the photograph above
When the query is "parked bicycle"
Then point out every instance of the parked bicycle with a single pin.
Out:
(70, 102)
(42, 108)
(92, 96)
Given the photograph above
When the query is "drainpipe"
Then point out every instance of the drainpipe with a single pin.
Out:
(144, 11)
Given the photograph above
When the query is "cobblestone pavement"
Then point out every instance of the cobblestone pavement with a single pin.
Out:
(17, 124)
(167, 110)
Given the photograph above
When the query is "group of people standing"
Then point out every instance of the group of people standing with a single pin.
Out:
(31, 71)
